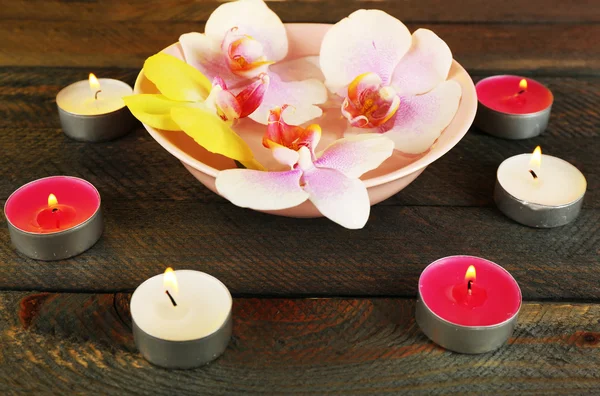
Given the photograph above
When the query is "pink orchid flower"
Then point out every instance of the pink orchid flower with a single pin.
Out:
(329, 179)
(232, 107)
(392, 83)
(241, 40)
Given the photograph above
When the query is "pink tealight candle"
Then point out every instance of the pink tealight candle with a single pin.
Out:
(467, 304)
(54, 218)
(512, 107)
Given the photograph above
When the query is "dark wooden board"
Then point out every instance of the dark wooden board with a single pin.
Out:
(525, 47)
(308, 10)
(259, 254)
(82, 343)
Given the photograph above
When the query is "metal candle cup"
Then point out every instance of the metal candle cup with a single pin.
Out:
(551, 196)
(183, 329)
(48, 232)
(183, 354)
(467, 323)
(95, 113)
(509, 111)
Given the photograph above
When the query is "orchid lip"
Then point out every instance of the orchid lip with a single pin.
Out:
(369, 104)
(244, 53)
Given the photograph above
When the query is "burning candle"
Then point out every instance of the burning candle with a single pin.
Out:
(539, 190)
(54, 218)
(181, 319)
(512, 107)
(467, 304)
(93, 110)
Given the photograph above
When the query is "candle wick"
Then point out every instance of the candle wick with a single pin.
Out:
(96, 94)
(521, 92)
(54, 210)
(469, 284)
(171, 298)
(535, 176)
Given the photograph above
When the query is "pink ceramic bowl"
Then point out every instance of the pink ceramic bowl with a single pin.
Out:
(392, 176)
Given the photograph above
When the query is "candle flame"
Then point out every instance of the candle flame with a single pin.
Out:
(52, 201)
(94, 83)
(536, 158)
(523, 84)
(471, 274)
(170, 281)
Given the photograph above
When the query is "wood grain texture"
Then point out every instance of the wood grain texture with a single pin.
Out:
(258, 254)
(136, 167)
(307, 10)
(82, 343)
(533, 47)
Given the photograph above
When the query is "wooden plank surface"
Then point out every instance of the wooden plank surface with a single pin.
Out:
(535, 11)
(566, 48)
(158, 215)
(259, 254)
(81, 343)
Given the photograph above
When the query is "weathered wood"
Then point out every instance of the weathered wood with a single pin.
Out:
(308, 10)
(77, 343)
(137, 167)
(534, 47)
(259, 254)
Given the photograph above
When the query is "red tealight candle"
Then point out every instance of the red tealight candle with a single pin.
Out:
(54, 218)
(467, 304)
(512, 107)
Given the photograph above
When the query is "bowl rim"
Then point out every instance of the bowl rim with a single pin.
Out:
(431, 156)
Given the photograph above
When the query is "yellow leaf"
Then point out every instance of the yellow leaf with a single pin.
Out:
(176, 79)
(212, 133)
(155, 110)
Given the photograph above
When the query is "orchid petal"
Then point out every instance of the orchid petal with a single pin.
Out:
(176, 79)
(205, 54)
(368, 104)
(301, 95)
(279, 131)
(218, 81)
(282, 154)
(426, 64)
(311, 137)
(366, 41)
(356, 155)
(421, 119)
(252, 18)
(155, 110)
(261, 190)
(252, 96)
(245, 55)
(339, 198)
(291, 136)
(227, 106)
(212, 133)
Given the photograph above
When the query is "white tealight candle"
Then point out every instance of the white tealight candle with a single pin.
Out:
(93, 96)
(94, 110)
(539, 190)
(181, 319)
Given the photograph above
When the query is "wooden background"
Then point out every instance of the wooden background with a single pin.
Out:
(77, 338)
